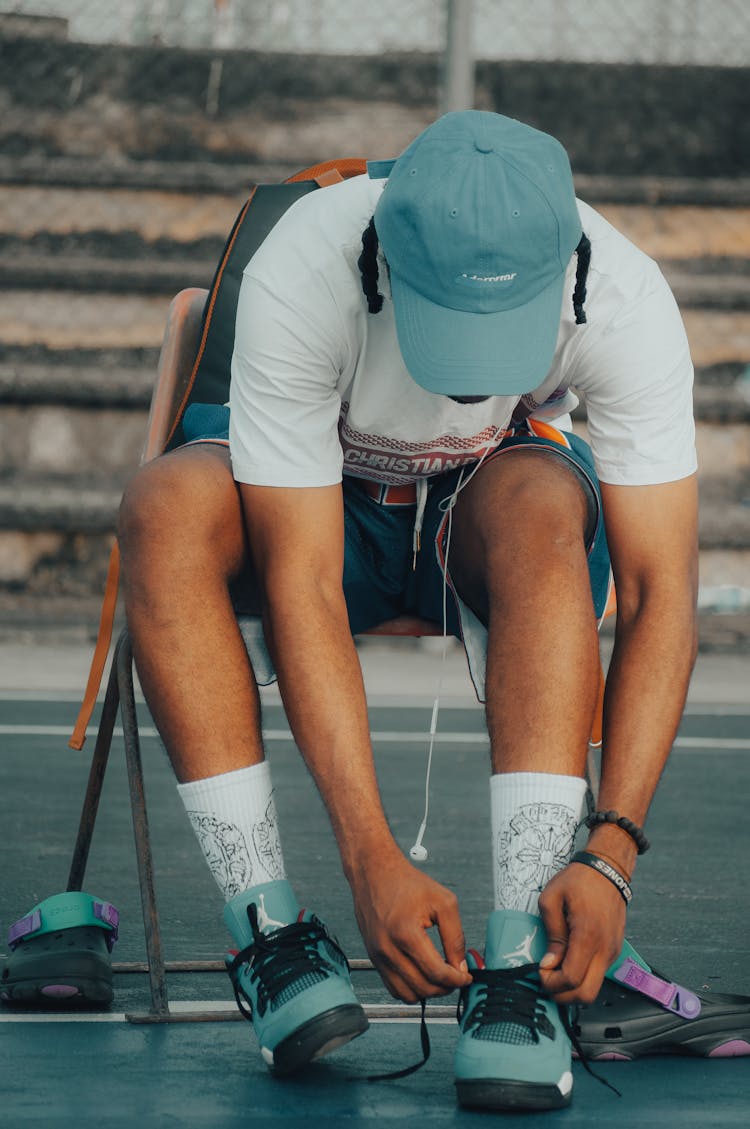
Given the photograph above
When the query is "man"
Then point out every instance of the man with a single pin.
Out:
(396, 438)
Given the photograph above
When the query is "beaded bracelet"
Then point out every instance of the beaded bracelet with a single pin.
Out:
(632, 829)
(602, 867)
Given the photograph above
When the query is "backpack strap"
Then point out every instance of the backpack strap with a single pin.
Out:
(101, 650)
(209, 377)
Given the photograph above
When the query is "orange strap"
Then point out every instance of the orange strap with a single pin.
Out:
(331, 172)
(106, 623)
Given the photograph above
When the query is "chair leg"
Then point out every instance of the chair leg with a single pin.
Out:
(99, 763)
(123, 661)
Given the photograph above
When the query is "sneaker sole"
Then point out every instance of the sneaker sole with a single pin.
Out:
(507, 1094)
(72, 966)
(622, 1025)
(317, 1037)
(57, 990)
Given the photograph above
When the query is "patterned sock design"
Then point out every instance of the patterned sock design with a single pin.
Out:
(235, 821)
(534, 820)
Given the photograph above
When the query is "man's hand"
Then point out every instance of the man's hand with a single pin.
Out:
(584, 916)
(395, 905)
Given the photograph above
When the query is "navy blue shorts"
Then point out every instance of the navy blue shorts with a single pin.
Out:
(381, 578)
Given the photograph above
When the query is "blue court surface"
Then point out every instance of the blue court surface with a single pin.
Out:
(690, 917)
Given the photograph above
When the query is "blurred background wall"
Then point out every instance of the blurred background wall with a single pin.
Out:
(130, 134)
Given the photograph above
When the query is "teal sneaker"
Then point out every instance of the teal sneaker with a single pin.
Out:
(290, 978)
(513, 1051)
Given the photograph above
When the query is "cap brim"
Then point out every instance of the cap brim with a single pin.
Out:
(456, 353)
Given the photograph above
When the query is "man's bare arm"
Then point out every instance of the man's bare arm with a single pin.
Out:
(297, 543)
(653, 542)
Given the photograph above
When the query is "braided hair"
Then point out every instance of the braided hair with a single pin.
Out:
(368, 268)
(583, 251)
(369, 272)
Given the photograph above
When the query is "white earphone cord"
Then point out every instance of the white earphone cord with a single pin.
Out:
(419, 852)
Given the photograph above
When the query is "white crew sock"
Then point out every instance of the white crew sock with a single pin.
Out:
(534, 820)
(234, 817)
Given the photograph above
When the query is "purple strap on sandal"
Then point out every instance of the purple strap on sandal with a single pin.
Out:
(107, 913)
(23, 927)
(32, 923)
(671, 996)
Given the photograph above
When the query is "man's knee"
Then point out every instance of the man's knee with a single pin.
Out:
(181, 501)
(529, 514)
(151, 504)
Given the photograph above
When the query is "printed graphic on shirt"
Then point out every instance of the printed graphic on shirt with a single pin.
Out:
(397, 461)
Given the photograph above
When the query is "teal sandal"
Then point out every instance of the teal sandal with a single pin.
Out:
(60, 952)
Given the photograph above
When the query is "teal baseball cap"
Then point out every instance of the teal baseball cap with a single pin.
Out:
(478, 222)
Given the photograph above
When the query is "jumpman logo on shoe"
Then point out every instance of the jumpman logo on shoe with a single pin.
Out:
(264, 921)
(522, 955)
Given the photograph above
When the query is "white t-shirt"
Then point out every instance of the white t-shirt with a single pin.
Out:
(319, 387)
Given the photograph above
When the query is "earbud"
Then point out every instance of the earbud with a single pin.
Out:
(418, 852)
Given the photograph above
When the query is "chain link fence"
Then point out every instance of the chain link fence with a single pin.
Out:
(704, 32)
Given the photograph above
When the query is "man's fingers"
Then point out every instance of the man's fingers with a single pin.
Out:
(584, 924)
(411, 971)
(395, 919)
(556, 928)
(398, 987)
(451, 932)
(587, 990)
(437, 972)
(555, 954)
(414, 969)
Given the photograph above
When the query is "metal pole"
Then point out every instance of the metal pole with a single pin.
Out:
(457, 91)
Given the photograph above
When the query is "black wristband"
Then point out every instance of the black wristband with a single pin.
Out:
(586, 858)
(632, 829)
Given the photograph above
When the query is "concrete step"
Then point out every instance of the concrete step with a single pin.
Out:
(92, 275)
(117, 222)
(725, 286)
(107, 441)
(91, 382)
(218, 175)
(31, 372)
(86, 413)
(71, 620)
(111, 103)
(73, 503)
(93, 423)
(53, 581)
(56, 319)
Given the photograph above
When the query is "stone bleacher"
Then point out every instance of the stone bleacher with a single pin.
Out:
(96, 236)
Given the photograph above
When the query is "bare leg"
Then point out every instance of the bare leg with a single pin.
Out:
(182, 541)
(518, 560)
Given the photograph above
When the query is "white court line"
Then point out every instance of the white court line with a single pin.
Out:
(383, 736)
(389, 736)
(179, 1007)
(377, 701)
